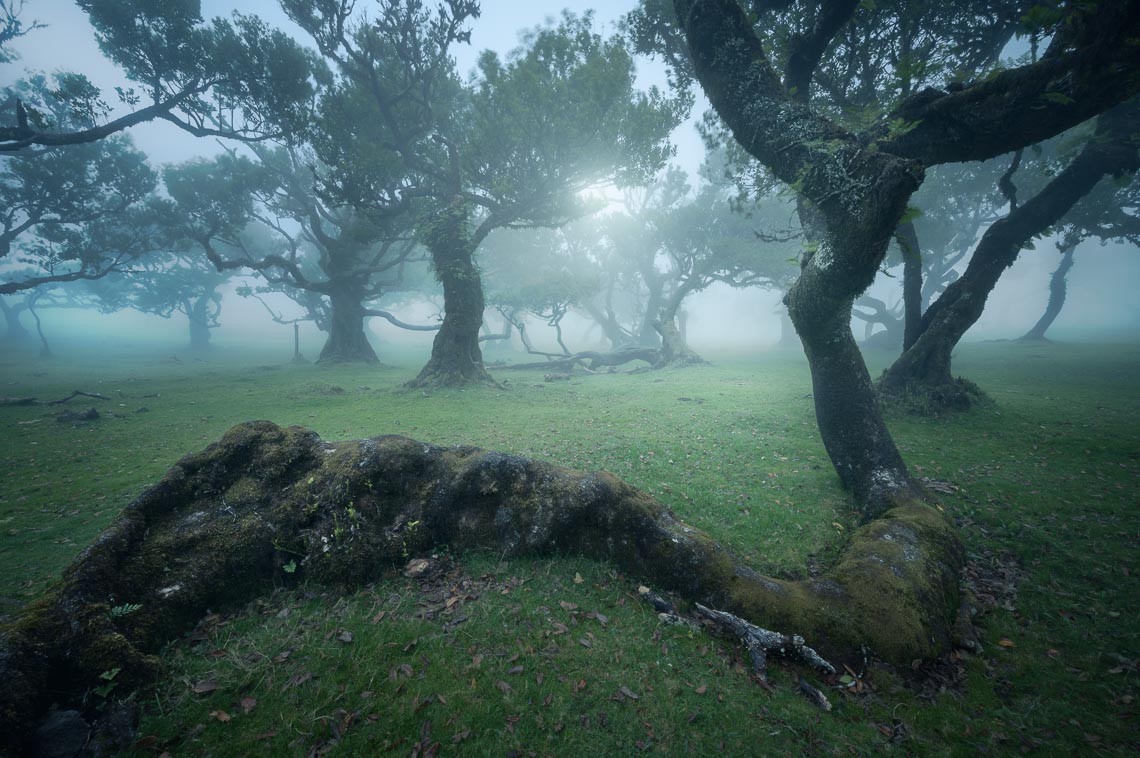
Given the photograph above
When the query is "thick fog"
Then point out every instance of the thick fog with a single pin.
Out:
(1101, 303)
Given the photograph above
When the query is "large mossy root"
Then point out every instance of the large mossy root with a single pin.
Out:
(268, 505)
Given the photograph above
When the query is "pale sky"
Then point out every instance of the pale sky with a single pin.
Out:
(68, 44)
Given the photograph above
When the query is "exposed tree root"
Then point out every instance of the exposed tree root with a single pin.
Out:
(760, 642)
(218, 529)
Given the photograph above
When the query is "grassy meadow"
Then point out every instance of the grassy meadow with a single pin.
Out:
(558, 656)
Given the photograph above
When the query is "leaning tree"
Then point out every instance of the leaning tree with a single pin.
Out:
(1109, 214)
(924, 368)
(854, 185)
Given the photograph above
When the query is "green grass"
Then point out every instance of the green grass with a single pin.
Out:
(1047, 497)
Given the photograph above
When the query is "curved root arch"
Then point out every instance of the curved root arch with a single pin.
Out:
(223, 523)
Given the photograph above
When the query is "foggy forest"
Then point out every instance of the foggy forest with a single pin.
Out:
(489, 377)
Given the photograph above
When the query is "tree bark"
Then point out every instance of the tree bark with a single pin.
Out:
(923, 372)
(267, 506)
(347, 341)
(456, 358)
(1058, 289)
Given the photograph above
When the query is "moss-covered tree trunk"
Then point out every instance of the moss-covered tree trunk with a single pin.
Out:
(456, 358)
(1058, 291)
(347, 341)
(223, 524)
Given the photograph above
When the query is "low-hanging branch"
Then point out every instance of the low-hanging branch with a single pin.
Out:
(391, 319)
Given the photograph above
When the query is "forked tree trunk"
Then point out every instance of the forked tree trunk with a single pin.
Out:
(924, 370)
(1058, 290)
(347, 341)
(456, 358)
(266, 506)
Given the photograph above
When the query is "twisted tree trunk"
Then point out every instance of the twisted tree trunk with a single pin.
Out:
(456, 358)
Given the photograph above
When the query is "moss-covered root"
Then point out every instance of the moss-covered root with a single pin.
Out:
(268, 504)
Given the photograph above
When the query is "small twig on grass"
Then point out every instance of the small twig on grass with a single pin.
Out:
(78, 393)
(37, 401)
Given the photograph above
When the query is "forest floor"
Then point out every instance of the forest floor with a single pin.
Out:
(559, 656)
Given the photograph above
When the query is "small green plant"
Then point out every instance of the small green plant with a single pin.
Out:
(104, 690)
(290, 567)
(125, 609)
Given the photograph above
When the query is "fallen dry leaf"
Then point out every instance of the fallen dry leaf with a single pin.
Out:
(222, 716)
(204, 686)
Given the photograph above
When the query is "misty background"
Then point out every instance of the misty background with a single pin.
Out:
(1101, 305)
